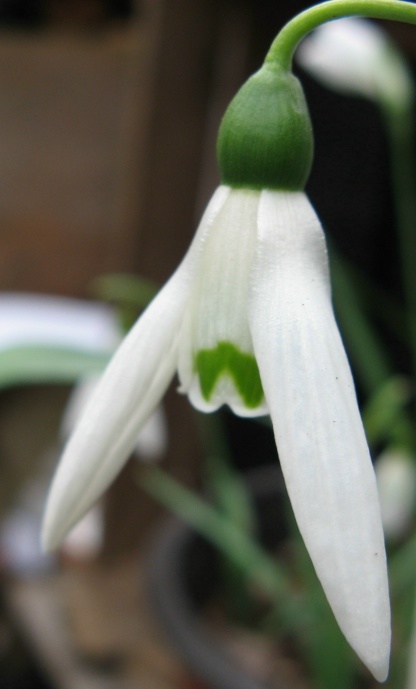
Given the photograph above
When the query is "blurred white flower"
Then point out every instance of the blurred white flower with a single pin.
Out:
(34, 319)
(396, 478)
(30, 320)
(354, 56)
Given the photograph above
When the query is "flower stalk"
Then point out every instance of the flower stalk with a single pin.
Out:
(284, 46)
(400, 125)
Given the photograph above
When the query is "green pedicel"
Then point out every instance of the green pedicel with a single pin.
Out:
(265, 139)
(227, 359)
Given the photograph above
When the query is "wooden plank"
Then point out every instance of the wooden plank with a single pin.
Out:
(73, 117)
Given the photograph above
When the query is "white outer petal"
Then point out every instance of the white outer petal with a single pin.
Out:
(128, 392)
(318, 429)
(152, 438)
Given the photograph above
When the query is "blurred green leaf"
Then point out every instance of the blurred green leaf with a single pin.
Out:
(368, 356)
(402, 568)
(378, 303)
(332, 662)
(129, 293)
(385, 415)
(124, 287)
(224, 482)
(229, 493)
(29, 365)
(219, 530)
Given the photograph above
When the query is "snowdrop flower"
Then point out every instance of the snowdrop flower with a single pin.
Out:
(247, 321)
(396, 479)
(355, 57)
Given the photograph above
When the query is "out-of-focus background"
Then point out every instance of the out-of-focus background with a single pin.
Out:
(108, 117)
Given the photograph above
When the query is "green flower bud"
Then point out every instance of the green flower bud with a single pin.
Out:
(265, 139)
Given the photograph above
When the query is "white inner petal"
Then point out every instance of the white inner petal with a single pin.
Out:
(221, 287)
(218, 309)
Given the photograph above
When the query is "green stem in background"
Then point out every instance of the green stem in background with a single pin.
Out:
(288, 39)
(224, 483)
(402, 568)
(232, 541)
(228, 492)
(401, 132)
(364, 346)
(222, 532)
(385, 416)
(331, 661)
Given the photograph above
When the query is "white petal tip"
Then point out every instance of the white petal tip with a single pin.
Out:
(48, 543)
(380, 670)
(52, 536)
(63, 513)
(374, 652)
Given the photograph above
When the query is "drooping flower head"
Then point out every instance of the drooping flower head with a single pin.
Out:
(247, 321)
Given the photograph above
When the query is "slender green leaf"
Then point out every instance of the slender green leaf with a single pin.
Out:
(129, 293)
(385, 415)
(26, 365)
(369, 359)
(124, 287)
(218, 530)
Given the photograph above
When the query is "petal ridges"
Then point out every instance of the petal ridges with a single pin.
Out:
(126, 396)
(216, 360)
(317, 425)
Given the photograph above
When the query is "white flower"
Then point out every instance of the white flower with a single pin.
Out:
(396, 480)
(247, 321)
(41, 320)
(354, 56)
(35, 320)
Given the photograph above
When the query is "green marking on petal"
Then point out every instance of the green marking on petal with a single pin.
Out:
(227, 359)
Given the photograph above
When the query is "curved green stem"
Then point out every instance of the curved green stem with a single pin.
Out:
(402, 137)
(286, 42)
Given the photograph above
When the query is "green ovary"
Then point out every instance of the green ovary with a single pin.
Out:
(227, 359)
